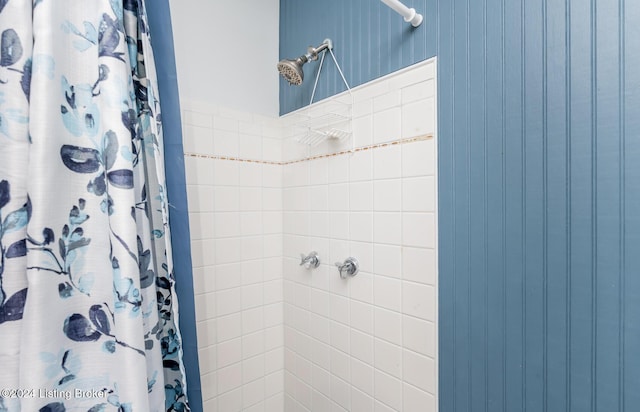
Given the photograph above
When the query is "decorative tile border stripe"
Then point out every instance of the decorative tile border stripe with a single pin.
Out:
(237, 159)
(322, 156)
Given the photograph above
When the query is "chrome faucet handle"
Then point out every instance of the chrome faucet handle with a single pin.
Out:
(311, 261)
(349, 267)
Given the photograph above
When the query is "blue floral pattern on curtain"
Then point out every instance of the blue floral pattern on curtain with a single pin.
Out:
(88, 314)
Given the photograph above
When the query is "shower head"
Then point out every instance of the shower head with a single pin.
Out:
(291, 69)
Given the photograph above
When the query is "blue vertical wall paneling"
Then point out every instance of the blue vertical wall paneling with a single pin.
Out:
(581, 222)
(494, 95)
(162, 37)
(555, 203)
(452, 353)
(539, 187)
(534, 198)
(608, 198)
(630, 236)
(370, 40)
(513, 254)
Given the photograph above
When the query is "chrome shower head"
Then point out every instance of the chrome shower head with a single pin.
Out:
(291, 69)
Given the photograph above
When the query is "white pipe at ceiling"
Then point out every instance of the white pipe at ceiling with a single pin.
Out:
(409, 14)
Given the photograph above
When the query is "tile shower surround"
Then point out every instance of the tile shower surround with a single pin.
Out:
(275, 337)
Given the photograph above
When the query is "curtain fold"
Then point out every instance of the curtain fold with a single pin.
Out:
(88, 313)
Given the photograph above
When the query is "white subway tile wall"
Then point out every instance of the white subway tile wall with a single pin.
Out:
(276, 337)
(367, 343)
(236, 230)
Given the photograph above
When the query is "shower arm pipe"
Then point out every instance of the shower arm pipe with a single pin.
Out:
(312, 52)
(409, 14)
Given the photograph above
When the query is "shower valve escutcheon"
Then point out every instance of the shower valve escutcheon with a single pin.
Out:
(310, 261)
(349, 267)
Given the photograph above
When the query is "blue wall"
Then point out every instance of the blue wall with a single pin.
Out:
(370, 40)
(539, 188)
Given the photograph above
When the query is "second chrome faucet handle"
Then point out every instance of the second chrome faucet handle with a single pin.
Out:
(311, 261)
(349, 267)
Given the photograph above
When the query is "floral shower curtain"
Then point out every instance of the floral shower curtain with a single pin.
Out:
(88, 317)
